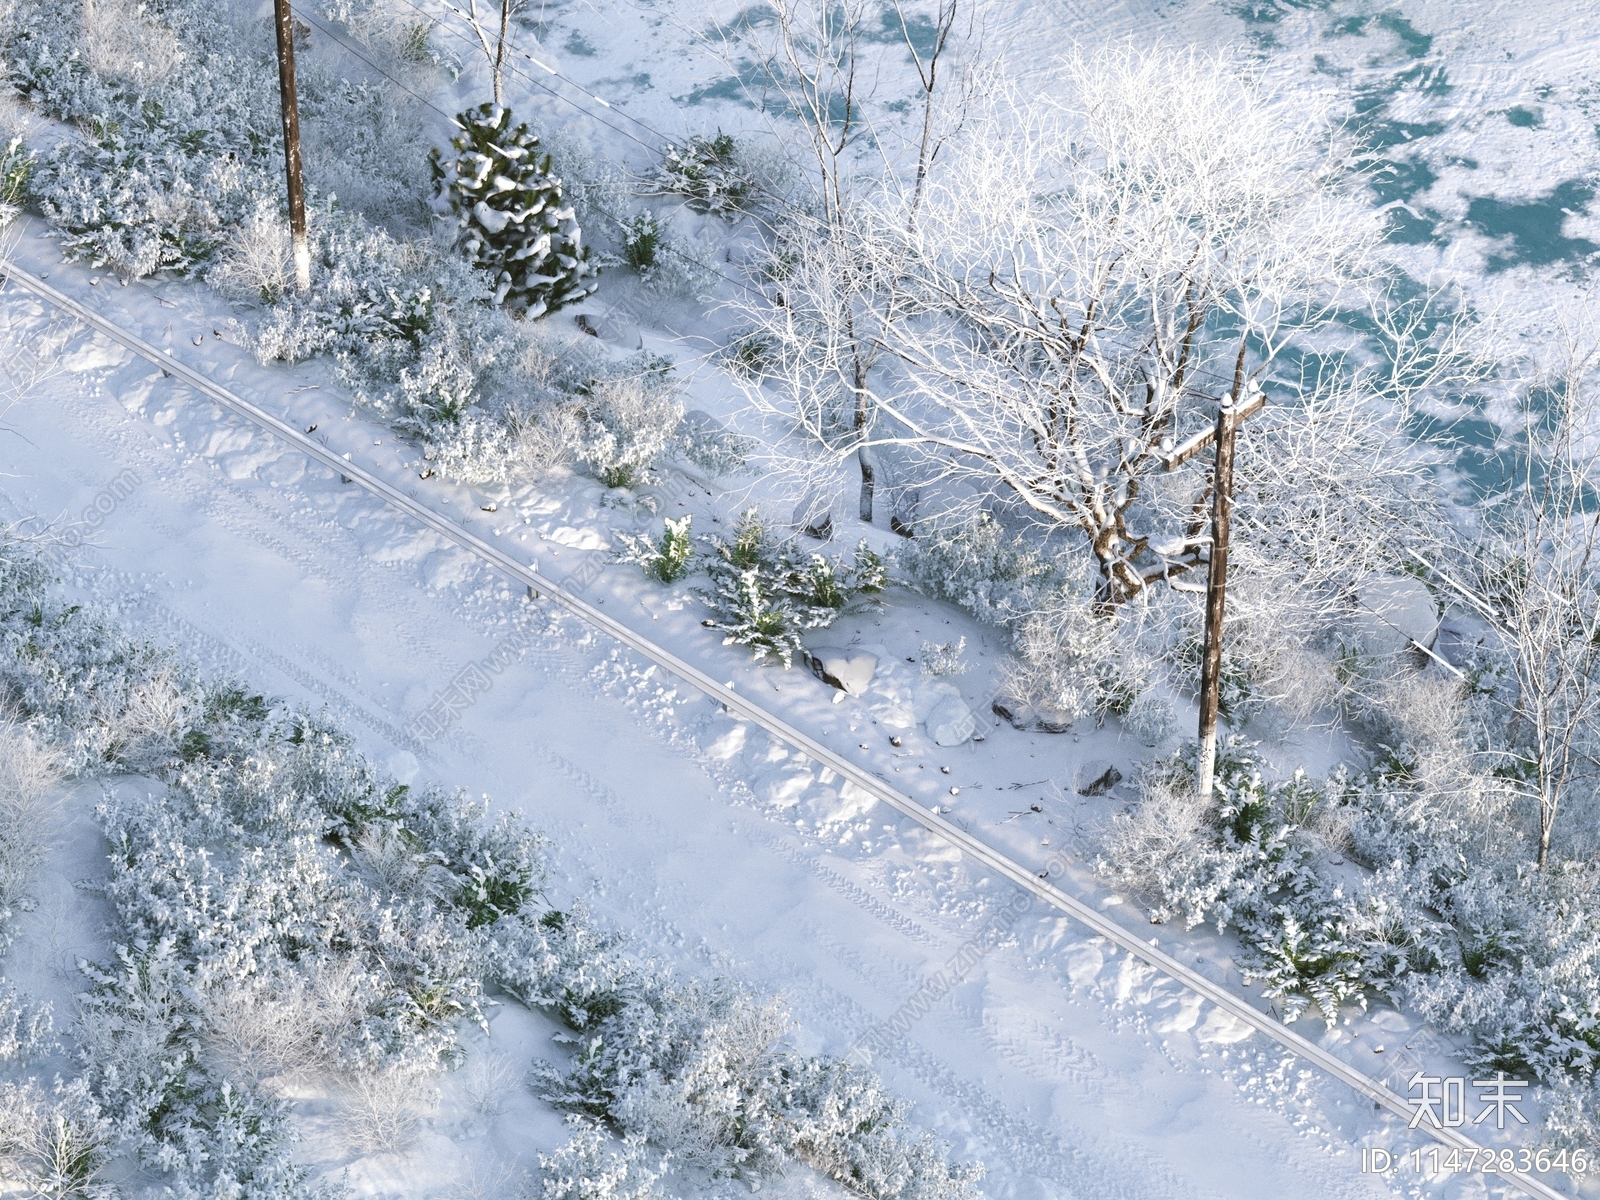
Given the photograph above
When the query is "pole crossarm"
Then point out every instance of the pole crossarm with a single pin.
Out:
(1175, 456)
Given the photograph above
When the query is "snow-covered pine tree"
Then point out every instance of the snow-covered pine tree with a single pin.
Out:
(509, 214)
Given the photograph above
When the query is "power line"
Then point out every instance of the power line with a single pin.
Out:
(549, 70)
(462, 34)
(447, 116)
(1203, 372)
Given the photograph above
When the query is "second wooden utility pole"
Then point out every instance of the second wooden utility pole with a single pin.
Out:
(1216, 594)
(1229, 417)
(291, 145)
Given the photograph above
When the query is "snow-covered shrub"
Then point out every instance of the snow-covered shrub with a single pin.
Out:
(629, 423)
(1068, 663)
(140, 1050)
(587, 1168)
(838, 1118)
(1150, 718)
(749, 355)
(121, 38)
(29, 813)
(641, 240)
(509, 213)
(56, 1147)
(169, 159)
(1572, 1114)
(710, 173)
(257, 265)
(978, 567)
(102, 700)
(372, 301)
(16, 169)
(383, 1110)
(765, 597)
(667, 560)
(939, 660)
(700, 1068)
(27, 1028)
(282, 908)
(706, 443)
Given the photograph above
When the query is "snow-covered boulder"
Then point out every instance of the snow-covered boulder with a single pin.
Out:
(951, 722)
(1014, 711)
(1098, 778)
(929, 694)
(848, 670)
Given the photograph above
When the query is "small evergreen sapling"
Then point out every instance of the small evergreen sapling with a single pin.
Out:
(667, 560)
(708, 172)
(509, 213)
(641, 240)
(766, 599)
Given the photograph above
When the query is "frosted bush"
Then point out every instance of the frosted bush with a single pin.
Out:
(629, 423)
(708, 444)
(16, 169)
(765, 597)
(588, 1167)
(940, 660)
(170, 159)
(27, 1028)
(710, 173)
(258, 264)
(56, 1147)
(667, 560)
(488, 1079)
(978, 567)
(1150, 718)
(383, 1110)
(121, 39)
(30, 814)
(283, 910)
(1572, 1114)
(287, 1023)
(1056, 665)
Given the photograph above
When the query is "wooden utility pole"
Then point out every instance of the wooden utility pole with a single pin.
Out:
(1229, 417)
(291, 145)
(1216, 594)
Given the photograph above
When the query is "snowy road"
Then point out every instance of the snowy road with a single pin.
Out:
(1070, 1071)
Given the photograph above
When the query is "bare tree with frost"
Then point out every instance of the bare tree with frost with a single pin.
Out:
(1086, 273)
(1536, 578)
(813, 57)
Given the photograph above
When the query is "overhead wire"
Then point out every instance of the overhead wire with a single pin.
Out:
(1205, 372)
(449, 117)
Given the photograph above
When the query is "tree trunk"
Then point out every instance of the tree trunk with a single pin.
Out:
(284, 22)
(1216, 597)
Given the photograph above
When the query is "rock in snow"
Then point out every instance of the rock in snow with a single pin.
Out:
(951, 722)
(1052, 720)
(848, 670)
(1019, 714)
(1102, 777)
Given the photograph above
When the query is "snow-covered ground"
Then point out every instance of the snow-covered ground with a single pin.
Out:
(1069, 1070)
